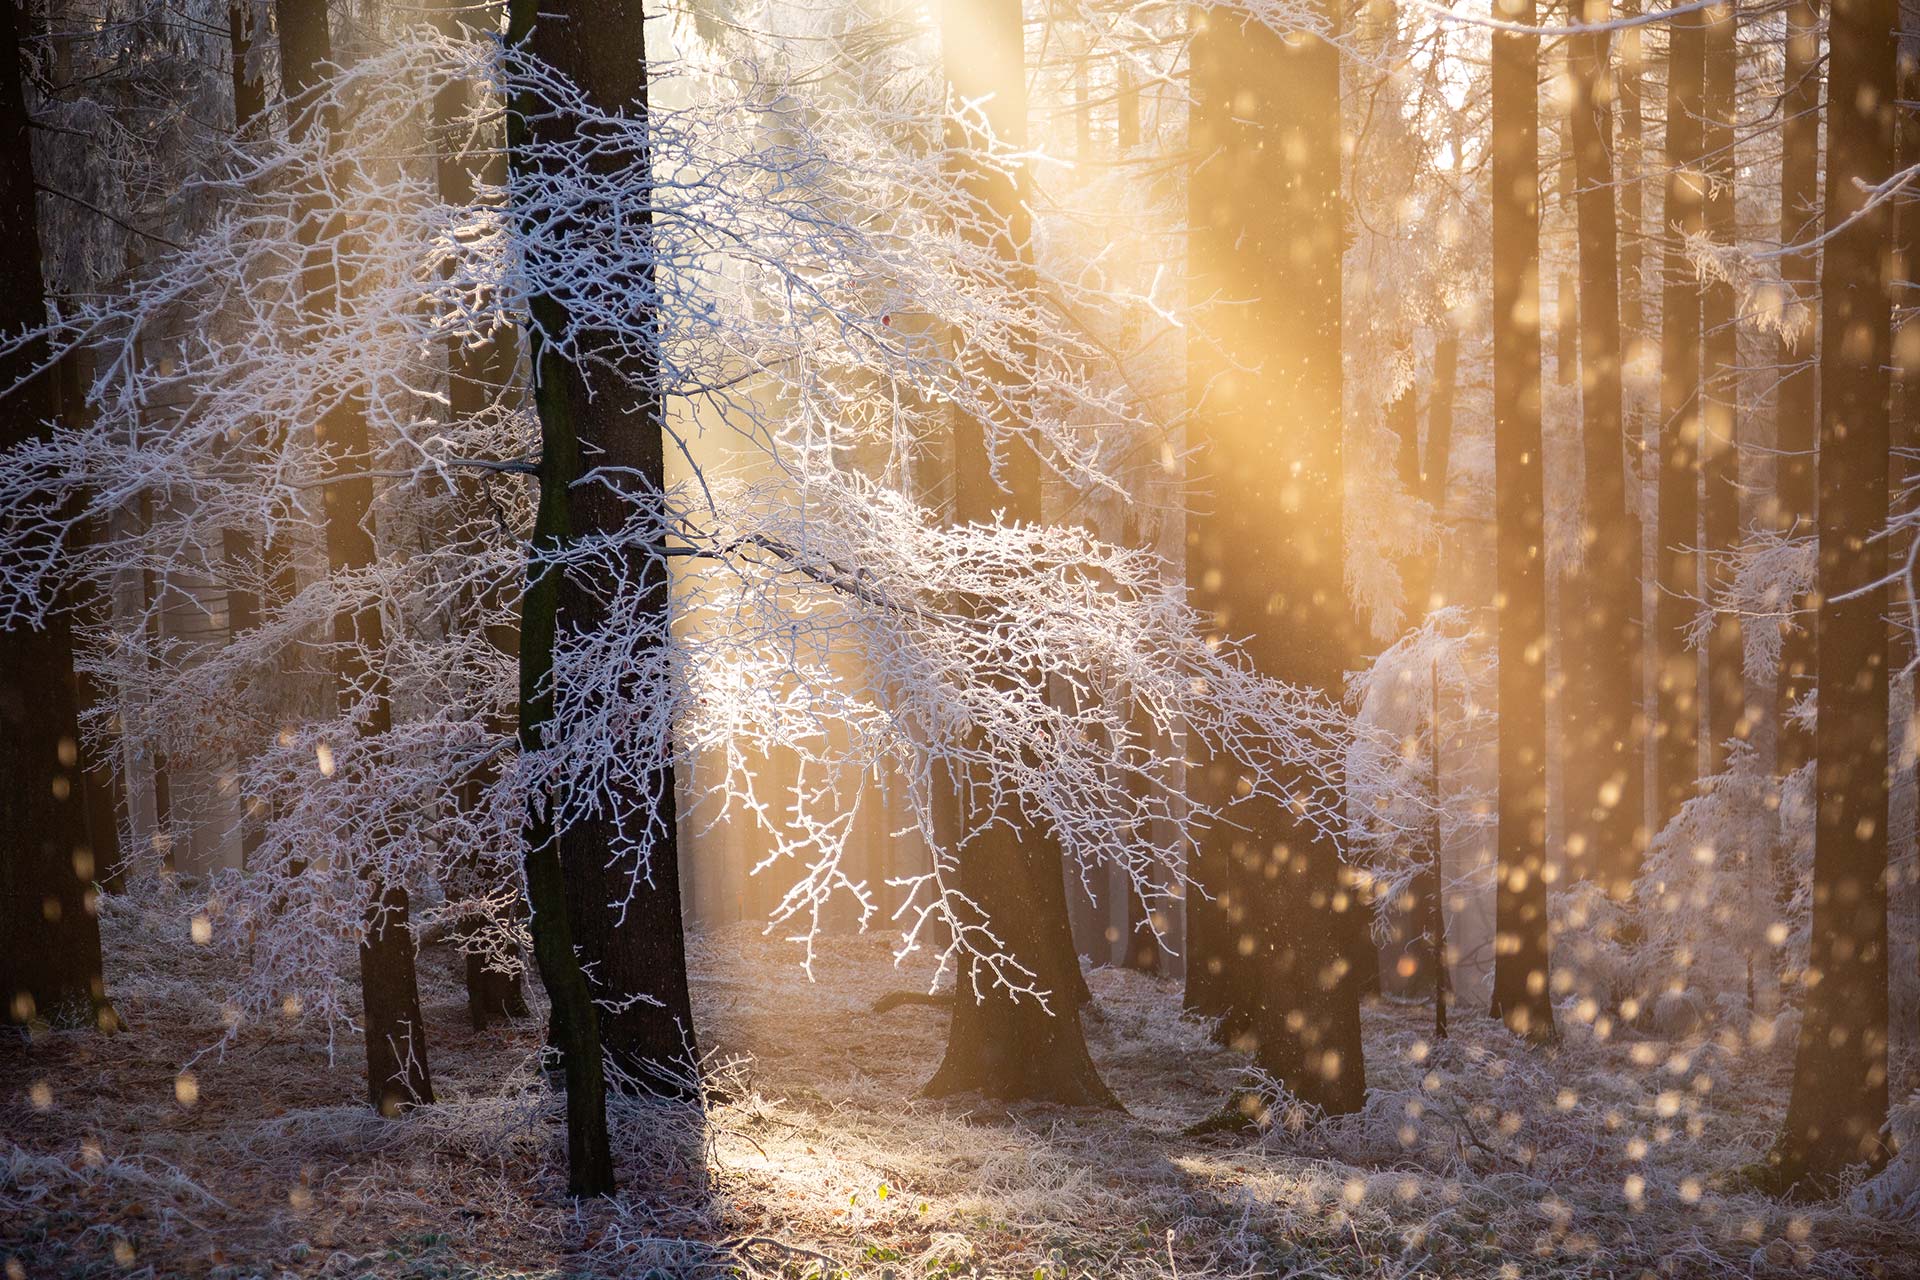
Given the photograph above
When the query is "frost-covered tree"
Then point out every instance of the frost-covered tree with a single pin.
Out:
(736, 277)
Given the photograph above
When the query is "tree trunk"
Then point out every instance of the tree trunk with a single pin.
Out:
(625, 921)
(1727, 716)
(397, 1072)
(479, 373)
(1839, 1099)
(1271, 952)
(101, 780)
(1607, 747)
(50, 968)
(1677, 726)
(1795, 410)
(1003, 1044)
(1520, 994)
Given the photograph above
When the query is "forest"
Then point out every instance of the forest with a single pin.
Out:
(918, 639)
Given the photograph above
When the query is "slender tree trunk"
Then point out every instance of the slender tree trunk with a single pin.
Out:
(1906, 341)
(1520, 973)
(1608, 739)
(238, 550)
(1431, 886)
(1727, 714)
(1839, 1098)
(1001, 1044)
(479, 373)
(1677, 727)
(1794, 400)
(101, 780)
(397, 1072)
(1629, 174)
(1272, 950)
(50, 967)
(624, 920)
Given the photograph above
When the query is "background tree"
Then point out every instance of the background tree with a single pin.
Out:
(1839, 1100)
(395, 1030)
(1270, 950)
(1676, 676)
(1795, 408)
(50, 967)
(1607, 744)
(1520, 975)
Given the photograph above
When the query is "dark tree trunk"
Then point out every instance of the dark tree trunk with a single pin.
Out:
(101, 777)
(50, 960)
(1727, 716)
(1795, 410)
(397, 1072)
(237, 547)
(479, 373)
(1520, 971)
(1605, 763)
(1272, 951)
(1430, 888)
(1677, 727)
(1001, 1044)
(1839, 1099)
(249, 90)
(624, 921)
(1906, 345)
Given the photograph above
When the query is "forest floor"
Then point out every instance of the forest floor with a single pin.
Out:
(1476, 1157)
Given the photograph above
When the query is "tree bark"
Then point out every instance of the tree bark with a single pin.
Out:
(627, 926)
(395, 1031)
(1838, 1103)
(50, 966)
(1606, 754)
(1520, 974)
(1677, 726)
(1002, 1044)
(479, 373)
(1795, 410)
(1271, 950)
(1727, 715)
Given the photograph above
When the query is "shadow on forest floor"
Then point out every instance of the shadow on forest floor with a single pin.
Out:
(1474, 1158)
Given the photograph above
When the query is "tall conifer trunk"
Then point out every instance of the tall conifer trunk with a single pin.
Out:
(1271, 953)
(1838, 1103)
(1726, 697)
(1676, 674)
(1794, 399)
(50, 967)
(1520, 967)
(1608, 743)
